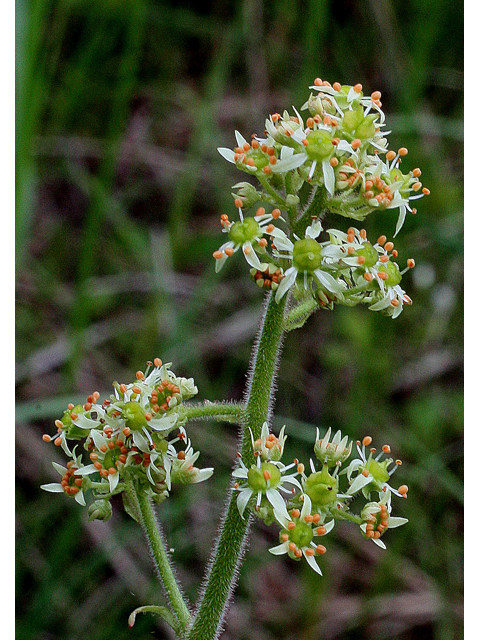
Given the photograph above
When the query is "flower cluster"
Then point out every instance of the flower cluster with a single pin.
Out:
(306, 504)
(341, 152)
(126, 438)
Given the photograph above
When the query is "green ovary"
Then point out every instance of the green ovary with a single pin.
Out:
(256, 477)
(319, 145)
(393, 273)
(321, 487)
(378, 471)
(302, 535)
(369, 253)
(307, 255)
(245, 231)
(134, 416)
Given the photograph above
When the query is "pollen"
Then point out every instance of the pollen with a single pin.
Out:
(367, 440)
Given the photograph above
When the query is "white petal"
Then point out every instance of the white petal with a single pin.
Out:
(281, 549)
(277, 503)
(240, 139)
(401, 219)
(311, 561)
(242, 499)
(228, 154)
(396, 522)
(251, 257)
(293, 162)
(287, 282)
(379, 543)
(240, 473)
(53, 487)
(307, 506)
(58, 467)
(80, 498)
(359, 482)
(329, 177)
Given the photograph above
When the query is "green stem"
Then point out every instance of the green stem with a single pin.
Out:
(231, 544)
(345, 515)
(222, 411)
(151, 529)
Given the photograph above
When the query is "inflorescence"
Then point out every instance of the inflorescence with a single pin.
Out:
(126, 438)
(340, 153)
(305, 504)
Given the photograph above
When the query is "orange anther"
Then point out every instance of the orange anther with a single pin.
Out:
(368, 277)
(356, 143)
(357, 88)
(126, 431)
(382, 275)
(291, 525)
(260, 211)
(390, 155)
(386, 448)
(297, 553)
(309, 552)
(402, 151)
(139, 375)
(246, 147)
(218, 255)
(389, 246)
(317, 82)
(267, 475)
(426, 191)
(295, 513)
(269, 228)
(361, 259)
(276, 213)
(284, 537)
(250, 162)
(57, 442)
(337, 86)
(410, 263)
(267, 170)
(316, 517)
(367, 440)
(365, 473)
(403, 489)
(376, 95)
(416, 186)
(416, 173)
(46, 438)
(333, 162)
(181, 455)
(229, 251)
(394, 302)
(320, 549)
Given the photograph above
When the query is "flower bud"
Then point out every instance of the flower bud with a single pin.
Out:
(321, 487)
(100, 510)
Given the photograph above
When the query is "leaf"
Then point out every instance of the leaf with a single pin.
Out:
(163, 612)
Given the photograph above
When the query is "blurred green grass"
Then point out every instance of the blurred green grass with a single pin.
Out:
(120, 108)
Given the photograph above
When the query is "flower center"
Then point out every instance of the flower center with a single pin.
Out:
(245, 231)
(266, 477)
(307, 255)
(321, 487)
(319, 144)
(302, 535)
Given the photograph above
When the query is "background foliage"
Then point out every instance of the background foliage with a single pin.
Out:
(121, 105)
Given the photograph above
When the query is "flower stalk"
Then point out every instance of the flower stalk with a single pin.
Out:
(234, 529)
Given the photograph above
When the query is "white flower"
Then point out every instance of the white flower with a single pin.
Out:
(373, 473)
(247, 234)
(332, 452)
(299, 529)
(263, 479)
(72, 483)
(307, 261)
(377, 519)
(268, 446)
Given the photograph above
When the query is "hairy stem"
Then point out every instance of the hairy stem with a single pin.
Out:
(223, 411)
(151, 529)
(234, 529)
